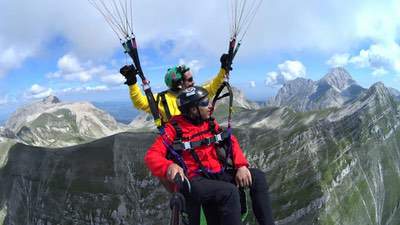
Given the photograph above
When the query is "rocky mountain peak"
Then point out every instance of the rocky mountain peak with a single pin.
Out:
(240, 100)
(51, 123)
(298, 82)
(295, 86)
(379, 90)
(51, 99)
(333, 90)
(293, 93)
(338, 78)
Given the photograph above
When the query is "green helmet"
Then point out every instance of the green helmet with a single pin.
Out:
(174, 76)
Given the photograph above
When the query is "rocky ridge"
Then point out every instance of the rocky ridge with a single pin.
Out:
(333, 90)
(324, 167)
(52, 123)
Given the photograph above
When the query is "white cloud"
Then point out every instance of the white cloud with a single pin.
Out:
(4, 100)
(252, 84)
(382, 58)
(339, 60)
(12, 58)
(36, 91)
(97, 88)
(195, 65)
(289, 70)
(81, 76)
(71, 69)
(199, 25)
(71, 90)
(273, 79)
(379, 72)
(361, 60)
(113, 79)
(85, 89)
(69, 64)
(200, 29)
(292, 69)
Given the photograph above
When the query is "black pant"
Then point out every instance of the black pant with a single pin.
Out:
(221, 202)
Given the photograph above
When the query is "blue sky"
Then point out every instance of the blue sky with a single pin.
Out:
(65, 48)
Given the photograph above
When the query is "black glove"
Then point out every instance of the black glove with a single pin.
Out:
(129, 72)
(225, 62)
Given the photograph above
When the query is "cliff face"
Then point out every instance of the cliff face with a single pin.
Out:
(102, 182)
(336, 166)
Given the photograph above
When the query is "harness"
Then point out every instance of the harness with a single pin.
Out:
(164, 102)
(219, 139)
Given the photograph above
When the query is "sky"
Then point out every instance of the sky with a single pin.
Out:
(66, 48)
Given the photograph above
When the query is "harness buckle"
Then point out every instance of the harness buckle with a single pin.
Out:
(218, 137)
(186, 145)
(207, 141)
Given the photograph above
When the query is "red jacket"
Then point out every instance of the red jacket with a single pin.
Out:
(157, 162)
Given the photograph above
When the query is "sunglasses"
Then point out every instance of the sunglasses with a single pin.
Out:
(204, 103)
(190, 79)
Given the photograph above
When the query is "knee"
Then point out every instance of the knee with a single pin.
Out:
(256, 173)
(258, 178)
(230, 194)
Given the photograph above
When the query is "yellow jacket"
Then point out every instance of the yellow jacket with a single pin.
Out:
(140, 101)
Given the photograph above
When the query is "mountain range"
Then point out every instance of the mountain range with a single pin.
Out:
(52, 123)
(334, 164)
(333, 90)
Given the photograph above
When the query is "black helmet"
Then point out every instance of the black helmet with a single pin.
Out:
(190, 97)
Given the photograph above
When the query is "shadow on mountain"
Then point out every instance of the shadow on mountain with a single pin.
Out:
(102, 182)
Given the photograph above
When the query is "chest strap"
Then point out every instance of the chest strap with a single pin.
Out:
(181, 144)
(187, 145)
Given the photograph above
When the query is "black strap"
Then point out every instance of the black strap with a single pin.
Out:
(211, 125)
(179, 145)
(130, 47)
(197, 159)
(187, 145)
(198, 134)
(164, 102)
(178, 142)
(223, 96)
(178, 130)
